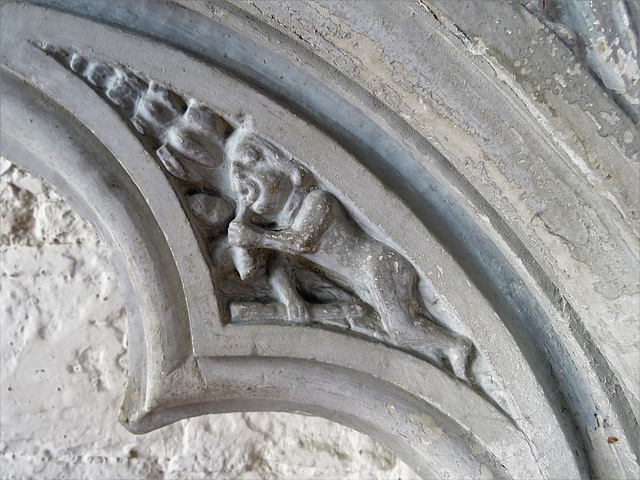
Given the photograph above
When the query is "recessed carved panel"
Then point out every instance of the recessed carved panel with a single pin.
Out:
(283, 250)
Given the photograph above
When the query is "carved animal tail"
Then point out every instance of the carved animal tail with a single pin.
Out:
(121, 87)
(188, 139)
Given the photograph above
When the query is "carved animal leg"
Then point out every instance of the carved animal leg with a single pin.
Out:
(280, 273)
(392, 298)
(438, 343)
(456, 352)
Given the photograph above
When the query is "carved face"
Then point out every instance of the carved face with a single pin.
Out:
(261, 189)
(273, 192)
(263, 178)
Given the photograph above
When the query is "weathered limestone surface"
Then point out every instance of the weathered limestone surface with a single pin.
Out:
(419, 219)
(573, 202)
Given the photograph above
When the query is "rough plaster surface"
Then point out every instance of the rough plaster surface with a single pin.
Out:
(64, 368)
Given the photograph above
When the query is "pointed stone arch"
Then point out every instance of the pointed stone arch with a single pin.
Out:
(188, 359)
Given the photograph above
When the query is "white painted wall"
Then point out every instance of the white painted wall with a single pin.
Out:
(64, 367)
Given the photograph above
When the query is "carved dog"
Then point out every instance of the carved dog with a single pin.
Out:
(284, 211)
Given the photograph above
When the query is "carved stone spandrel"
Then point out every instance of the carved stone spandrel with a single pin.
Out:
(283, 224)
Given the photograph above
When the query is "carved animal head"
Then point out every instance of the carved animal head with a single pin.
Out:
(262, 176)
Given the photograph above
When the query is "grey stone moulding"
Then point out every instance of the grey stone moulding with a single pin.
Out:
(287, 242)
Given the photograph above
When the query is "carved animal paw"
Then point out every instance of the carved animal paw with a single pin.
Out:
(460, 357)
(239, 234)
(297, 311)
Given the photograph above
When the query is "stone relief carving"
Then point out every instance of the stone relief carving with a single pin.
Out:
(283, 250)
(281, 209)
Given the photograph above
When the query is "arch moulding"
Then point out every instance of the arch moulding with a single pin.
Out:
(296, 229)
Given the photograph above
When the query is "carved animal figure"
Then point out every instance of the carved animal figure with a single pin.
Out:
(187, 137)
(247, 260)
(284, 211)
(280, 213)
